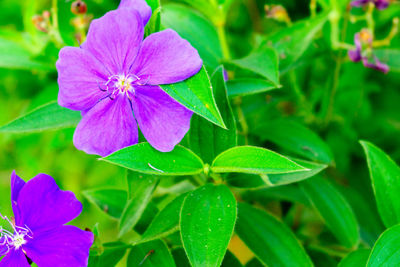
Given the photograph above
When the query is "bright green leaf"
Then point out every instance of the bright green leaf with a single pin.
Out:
(144, 158)
(385, 177)
(270, 240)
(207, 220)
(358, 257)
(46, 117)
(196, 94)
(255, 160)
(386, 252)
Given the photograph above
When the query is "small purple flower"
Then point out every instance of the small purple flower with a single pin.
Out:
(379, 4)
(114, 78)
(363, 52)
(41, 209)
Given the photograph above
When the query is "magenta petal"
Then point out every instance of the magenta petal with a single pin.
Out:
(79, 78)
(162, 120)
(140, 5)
(63, 246)
(16, 185)
(107, 127)
(115, 39)
(43, 205)
(166, 58)
(14, 258)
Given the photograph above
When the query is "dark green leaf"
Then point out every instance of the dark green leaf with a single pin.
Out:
(196, 29)
(153, 253)
(270, 240)
(385, 177)
(166, 221)
(46, 117)
(207, 220)
(386, 250)
(263, 61)
(110, 201)
(180, 257)
(206, 139)
(144, 158)
(255, 160)
(142, 187)
(296, 138)
(390, 56)
(334, 209)
(112, 254)
(230, 260)
(248, 86)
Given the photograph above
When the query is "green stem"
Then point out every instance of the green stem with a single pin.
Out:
(223, 41)
(54, 31)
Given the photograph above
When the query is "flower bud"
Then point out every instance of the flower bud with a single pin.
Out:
(277, 12)
(40, 23)
(78, 7)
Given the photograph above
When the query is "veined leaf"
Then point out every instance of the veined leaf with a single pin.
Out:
(248, 86)
(110, 201)
(153, 253)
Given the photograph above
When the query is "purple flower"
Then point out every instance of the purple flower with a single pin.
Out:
(41, 209)
(140, 6)
(379, 4)
(363, 52)
(114, 78)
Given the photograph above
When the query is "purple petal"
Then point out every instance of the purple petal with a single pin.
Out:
(16, 185)
(115, 39)
(162, 120)
(79, 78)
(14, 258)
(42, 205)
(375, 64)
(381, 4)
(354, 55)
(358, 3)
(140, 5)
(166, 58)
(63, 246)
(107, 127)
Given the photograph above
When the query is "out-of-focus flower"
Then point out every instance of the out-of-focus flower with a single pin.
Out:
(277, 12)
(42, 22)
(41, 209)
(379, 4)
(78, 7)
(114, 78)
(363, 52)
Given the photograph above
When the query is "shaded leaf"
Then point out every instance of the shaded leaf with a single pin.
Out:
(153, 253)
(110, 201)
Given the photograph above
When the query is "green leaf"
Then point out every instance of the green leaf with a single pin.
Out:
(144, 158)
(290, 193)
(271, 241)
(386, 249)
(166, 221)
(390, 56)
(385, 178)
(208, 140)
(263, 61)
(110, 201)
(46, 117)
(180, 257)
(112, 254)
(255, 160)
(196, 94)
(153, 253)
(196, 29)
(230, 260)
(140, 197)
(296, 138)
(358, 257)
(255, 181)
(207, 220)
(334, 209)
(16, 56)
(248, 86)
(292, 42)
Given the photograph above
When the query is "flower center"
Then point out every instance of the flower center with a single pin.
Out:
(13, 239)
(122, 84)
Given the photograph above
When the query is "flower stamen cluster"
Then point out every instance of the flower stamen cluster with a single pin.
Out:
(15, 240)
